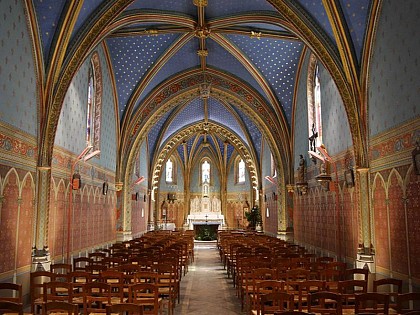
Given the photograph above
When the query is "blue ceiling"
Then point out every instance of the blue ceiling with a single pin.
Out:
(131, 58)
(190, 114)
(267, 65)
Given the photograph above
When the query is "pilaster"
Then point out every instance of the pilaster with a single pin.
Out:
(40, 253)
(365, 256)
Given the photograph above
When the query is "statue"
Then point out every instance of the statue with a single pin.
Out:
(301, 169)
(324, 168)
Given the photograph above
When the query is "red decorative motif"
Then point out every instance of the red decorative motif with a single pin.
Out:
(17, 146)
(392, 146)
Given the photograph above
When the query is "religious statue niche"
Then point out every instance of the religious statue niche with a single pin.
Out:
(205, 209)
(312, 141)
(324, 176)
(302, 185)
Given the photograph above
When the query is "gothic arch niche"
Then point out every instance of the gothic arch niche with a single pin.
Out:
(182, 90)
(94, 103)
(157, 104)
(314, 104)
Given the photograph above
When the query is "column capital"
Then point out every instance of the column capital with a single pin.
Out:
(362, 169)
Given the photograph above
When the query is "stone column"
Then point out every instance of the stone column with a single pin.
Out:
(40, 252)
(123, 213)
(365, 256)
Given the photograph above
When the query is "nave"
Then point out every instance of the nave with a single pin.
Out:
(206, 289)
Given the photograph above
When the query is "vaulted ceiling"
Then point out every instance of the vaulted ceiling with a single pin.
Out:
(184, 63)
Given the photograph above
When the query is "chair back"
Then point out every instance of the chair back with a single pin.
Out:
(390, 286)
(371, 302)
(145, 294)
(37, 280)
(11, 292)
(11, 307)
(408, 303)
(96, 296)
(58, 291)
(348, 290)
(356, 274)
(275, 301)
(325, 302)
(80, 263)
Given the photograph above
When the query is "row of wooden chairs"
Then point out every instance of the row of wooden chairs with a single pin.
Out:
(71, 309)
(254, 261)
(273, 295)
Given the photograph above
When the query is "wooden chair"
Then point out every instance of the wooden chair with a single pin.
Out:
(147, 295)
(112, 263)
(124, 308)
(129, 270)
(11, 307)
(61, 268)
(408, 303)
(146, 277)
(298, 274)
(116, 281)
(57, 291)
(96, 296)
(268, 286)
(348, 290)
(168, 285)
(11, 292)
(78, 280)
(60, 307)
(95, 271)
(305, 288)
(371, 302)
(331, 277)
(96, 257)
(80, 263)
(390, 286)
(325, 302)
(36, 284)
(356, 274)
(274, 301)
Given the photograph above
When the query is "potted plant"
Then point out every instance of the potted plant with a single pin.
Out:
(254, 218)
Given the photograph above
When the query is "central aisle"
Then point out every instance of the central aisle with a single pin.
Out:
(205, 289)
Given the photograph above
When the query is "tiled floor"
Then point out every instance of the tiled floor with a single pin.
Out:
(206, 289)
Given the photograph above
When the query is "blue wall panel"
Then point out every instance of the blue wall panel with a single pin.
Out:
(18, 98)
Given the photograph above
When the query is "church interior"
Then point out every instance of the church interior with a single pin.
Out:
(283, 122)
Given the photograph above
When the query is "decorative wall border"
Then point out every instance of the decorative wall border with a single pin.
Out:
(393, 147)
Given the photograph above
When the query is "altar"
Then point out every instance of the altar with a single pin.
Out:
(206, 218)
(205, 210)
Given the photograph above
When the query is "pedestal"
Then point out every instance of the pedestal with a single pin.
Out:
(41, 260)
(366, 261)
(124, 236)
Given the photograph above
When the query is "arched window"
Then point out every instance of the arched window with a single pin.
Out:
(314, 105)
(94, 103)
(169, 171)
(241, 171)
(90, 106)
(205, 171)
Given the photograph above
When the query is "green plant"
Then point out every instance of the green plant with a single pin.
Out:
(206, 233)
(254, 217)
